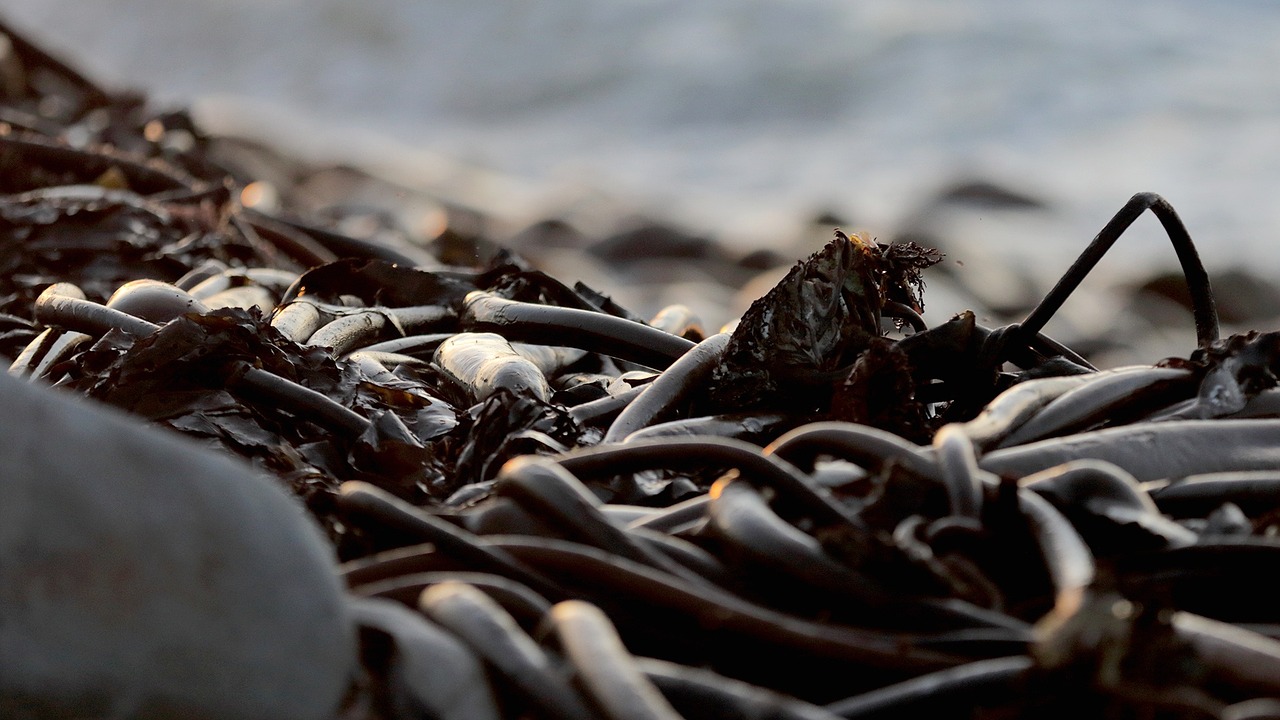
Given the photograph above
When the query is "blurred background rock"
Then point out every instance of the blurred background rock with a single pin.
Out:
(669, 152)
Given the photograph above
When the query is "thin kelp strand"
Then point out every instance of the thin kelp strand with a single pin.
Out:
(258, 384)
(725, 612)
(902, 311)
(1101, 490)
(367, 499)
(1103, 396)
(1203, 306)
(739, 517)
(388, 359)
(345, 246)
(412, 345)
(292, 242)
(550, 489)
(394, 563)
(738, 426)
(144, 178)
(674, 516)
(589, 413)
(1243, 658)
(708, 453)
(981, 682)
(1254, 491)
(697, 692)
(1015, 406)
(860, 444)
(673, 387)
(1153, 451)
(1066, 556)
(570, 327)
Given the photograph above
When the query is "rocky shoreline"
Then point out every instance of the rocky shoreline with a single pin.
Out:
(435, 467)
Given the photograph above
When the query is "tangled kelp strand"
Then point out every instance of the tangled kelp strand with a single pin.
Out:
(486, 627)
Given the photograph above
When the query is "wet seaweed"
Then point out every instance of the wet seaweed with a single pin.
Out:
(833, 510)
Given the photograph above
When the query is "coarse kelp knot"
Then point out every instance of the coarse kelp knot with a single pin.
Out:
(805, 334)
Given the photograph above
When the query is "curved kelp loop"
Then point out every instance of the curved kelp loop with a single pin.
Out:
(739, 516)
(707, 453)
(958, 465)
(859, 444)
(606, 671)
(494, 635)
(1066, 556)
(596, 411)
(1203, 306)
(570, 327)
(1093, 493)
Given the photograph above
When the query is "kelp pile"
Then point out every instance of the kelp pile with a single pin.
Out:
(828, 510)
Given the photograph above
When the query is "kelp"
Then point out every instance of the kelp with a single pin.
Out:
(803, 336)
(834, 509)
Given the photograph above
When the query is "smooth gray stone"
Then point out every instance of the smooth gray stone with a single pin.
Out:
(144, 576)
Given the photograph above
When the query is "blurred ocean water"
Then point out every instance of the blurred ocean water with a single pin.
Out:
(742, 118)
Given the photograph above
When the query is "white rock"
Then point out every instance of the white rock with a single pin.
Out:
(144, 576)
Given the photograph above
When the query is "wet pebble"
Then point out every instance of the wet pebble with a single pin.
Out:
(144, 576)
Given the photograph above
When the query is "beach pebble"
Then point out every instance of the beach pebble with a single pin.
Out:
(142, 575)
